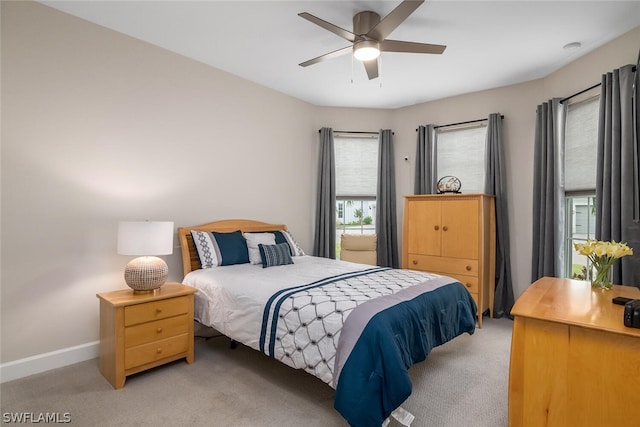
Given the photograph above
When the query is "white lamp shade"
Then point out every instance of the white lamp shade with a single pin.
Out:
(145, 237)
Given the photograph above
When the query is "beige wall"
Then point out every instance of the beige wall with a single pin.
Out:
(98, 127)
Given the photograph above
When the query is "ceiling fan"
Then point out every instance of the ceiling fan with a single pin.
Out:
(369, 37)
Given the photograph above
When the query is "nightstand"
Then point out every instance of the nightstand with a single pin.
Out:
(142, 331)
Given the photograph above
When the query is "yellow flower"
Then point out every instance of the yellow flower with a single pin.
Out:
(601, 249)
(602, 255)
(598, 248)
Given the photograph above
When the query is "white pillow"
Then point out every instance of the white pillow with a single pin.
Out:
(253, 240)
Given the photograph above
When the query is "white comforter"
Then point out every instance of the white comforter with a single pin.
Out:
(231, 299)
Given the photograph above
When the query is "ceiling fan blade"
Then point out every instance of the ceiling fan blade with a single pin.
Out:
(393, 19)
(372, 68)
(330, 55)
(411, 47)
(348, 35)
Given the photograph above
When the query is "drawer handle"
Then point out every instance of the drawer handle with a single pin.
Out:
(436, 228)
(415, 262)
(158, 310)
(158, 350)
(445, 228)
(159, 330)
(468, 268)
(468, 285)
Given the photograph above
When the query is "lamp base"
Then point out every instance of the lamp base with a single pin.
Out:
(146, 274)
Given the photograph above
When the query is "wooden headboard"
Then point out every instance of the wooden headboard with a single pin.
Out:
(190, 260)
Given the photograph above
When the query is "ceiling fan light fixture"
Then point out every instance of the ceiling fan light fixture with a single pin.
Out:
(366, 50)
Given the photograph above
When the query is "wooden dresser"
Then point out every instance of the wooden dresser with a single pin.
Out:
(453, 235)
(141, 331)
(573, 362)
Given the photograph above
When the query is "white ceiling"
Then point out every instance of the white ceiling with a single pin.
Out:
(489, 43)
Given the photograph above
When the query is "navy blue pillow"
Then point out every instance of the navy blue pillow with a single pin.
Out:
(278, 254)
(233, 247)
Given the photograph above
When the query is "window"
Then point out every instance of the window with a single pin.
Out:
(580, 138)
(460, 152)
(356, 159)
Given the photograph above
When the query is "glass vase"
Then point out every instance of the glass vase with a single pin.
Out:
(601, 277)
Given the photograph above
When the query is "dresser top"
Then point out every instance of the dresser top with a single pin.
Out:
(127, 297)
(574, 302)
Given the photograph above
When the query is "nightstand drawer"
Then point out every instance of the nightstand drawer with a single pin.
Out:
(147, 353)
(444, 265)
(162, 309)
(154, 331)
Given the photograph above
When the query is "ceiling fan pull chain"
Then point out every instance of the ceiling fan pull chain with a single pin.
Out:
(352, 69)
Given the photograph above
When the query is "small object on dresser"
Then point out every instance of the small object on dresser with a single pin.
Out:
(449, 184)
(632, 314)
(621, 300)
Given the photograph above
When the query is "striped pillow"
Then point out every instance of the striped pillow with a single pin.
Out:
(272, 255)
(253, 240)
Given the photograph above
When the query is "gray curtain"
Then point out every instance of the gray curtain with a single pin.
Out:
(425, 178)
(324, 244)
(617, 168)
(386, 217)
(496, 185)
(548, 193)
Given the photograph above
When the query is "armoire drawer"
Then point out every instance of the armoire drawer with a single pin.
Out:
(469, 282)
(476, 300)
(434, 264)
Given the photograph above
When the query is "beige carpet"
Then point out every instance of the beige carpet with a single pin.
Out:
(463, 382)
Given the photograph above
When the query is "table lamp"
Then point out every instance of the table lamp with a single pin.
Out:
(148, 239)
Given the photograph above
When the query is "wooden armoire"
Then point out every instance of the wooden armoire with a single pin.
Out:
(453, 235)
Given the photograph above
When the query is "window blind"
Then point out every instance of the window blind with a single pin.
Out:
(356, 167)
(580, 141)
(460, 152)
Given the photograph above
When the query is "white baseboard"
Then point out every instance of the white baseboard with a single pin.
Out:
(46, 361)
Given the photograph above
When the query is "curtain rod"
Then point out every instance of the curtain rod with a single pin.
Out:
(563, 100)
(353, 131)
(463, 123)
(357, 132)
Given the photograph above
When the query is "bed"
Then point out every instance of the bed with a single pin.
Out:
(357, 327)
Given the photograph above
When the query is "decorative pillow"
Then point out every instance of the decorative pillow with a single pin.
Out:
(278, 254)
(217, 249)
(253, 239)
(283, 236)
